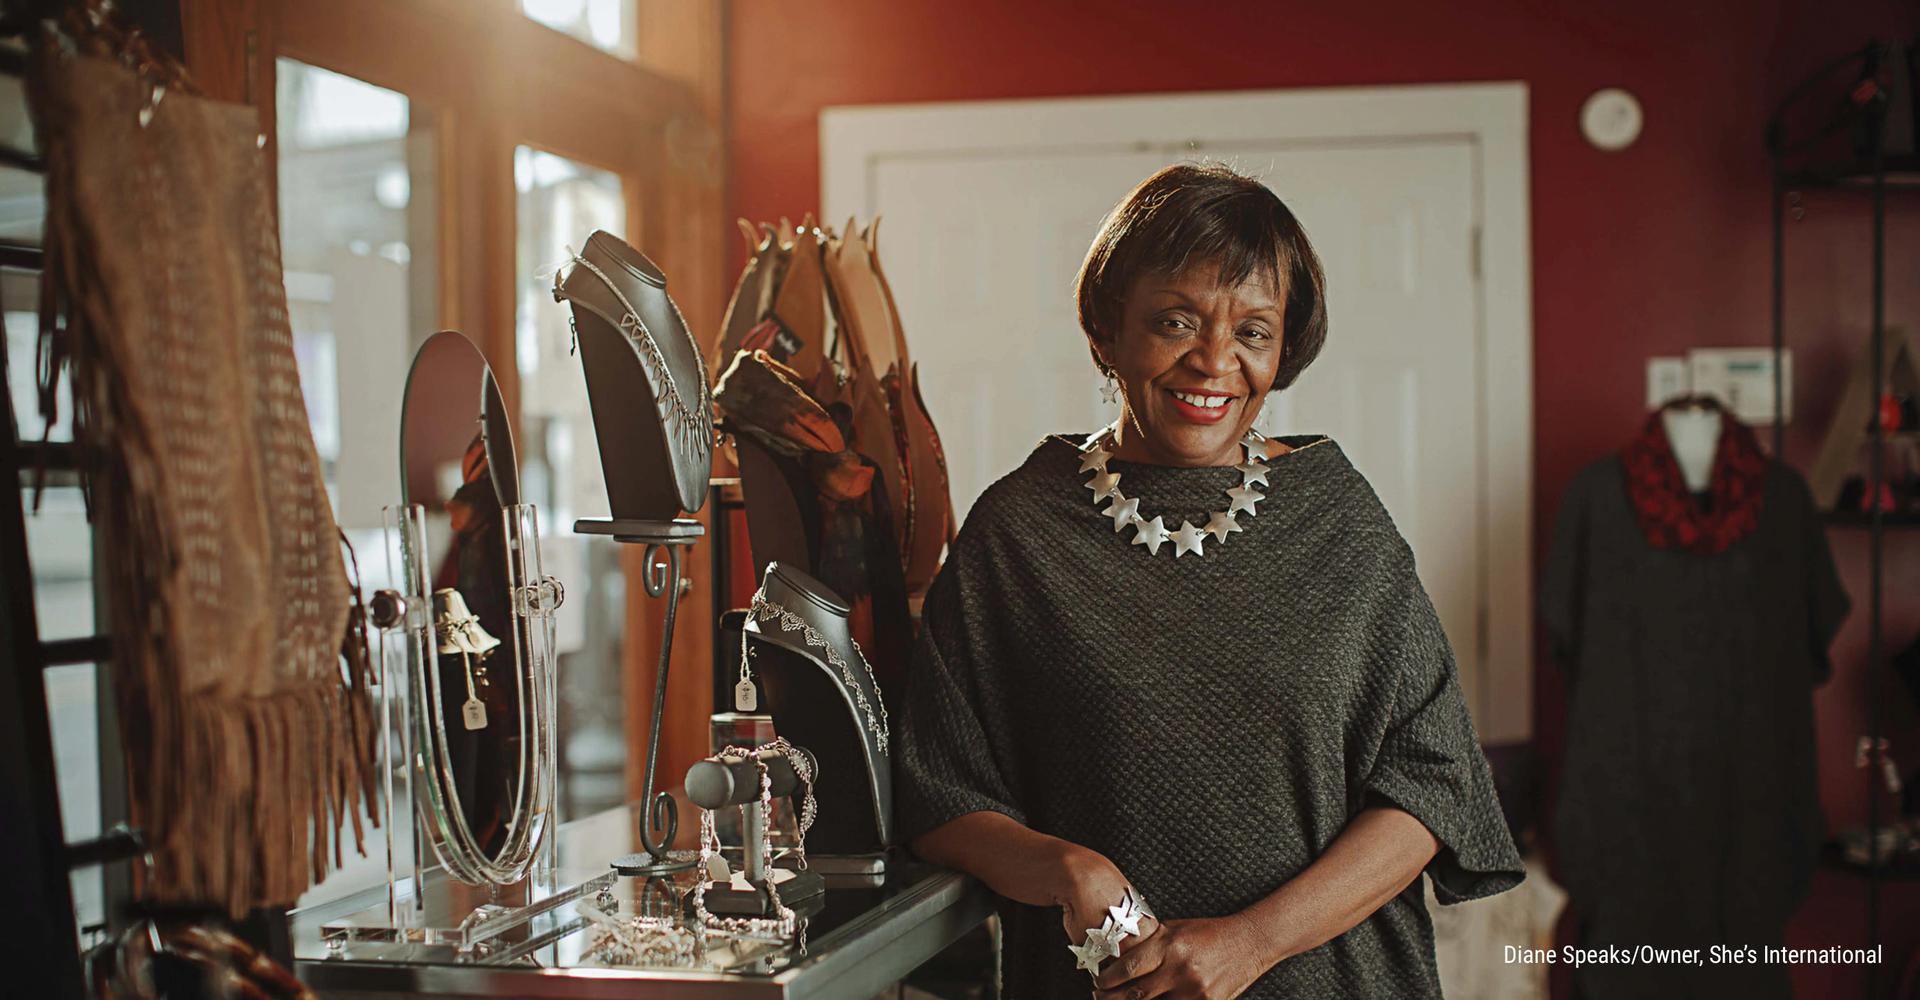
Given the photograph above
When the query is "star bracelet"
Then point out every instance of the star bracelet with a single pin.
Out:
(1103, 942)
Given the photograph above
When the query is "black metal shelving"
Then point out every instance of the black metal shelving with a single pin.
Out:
(1866, 169)
(41, 933)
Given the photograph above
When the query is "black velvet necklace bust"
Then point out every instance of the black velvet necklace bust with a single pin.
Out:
(798, 629)
(646, 381)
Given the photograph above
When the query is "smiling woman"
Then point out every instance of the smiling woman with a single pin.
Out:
(1201, 294)
(1226, 773)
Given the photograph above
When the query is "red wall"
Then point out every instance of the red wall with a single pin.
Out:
(1653, 250)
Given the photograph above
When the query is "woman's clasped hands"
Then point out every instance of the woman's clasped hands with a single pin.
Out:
(1209, 958)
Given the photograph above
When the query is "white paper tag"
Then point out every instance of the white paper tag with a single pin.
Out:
(745, 698)
(474, 712)
(717, 869)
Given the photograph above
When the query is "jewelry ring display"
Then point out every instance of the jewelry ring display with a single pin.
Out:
(784, 925)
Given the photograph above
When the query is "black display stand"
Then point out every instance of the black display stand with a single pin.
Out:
(1849, 158)
(659, 816)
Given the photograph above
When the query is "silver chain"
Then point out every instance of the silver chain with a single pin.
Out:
(784, 923)
(878, 724)
(638, 940)
(802, 769)
(700, 423)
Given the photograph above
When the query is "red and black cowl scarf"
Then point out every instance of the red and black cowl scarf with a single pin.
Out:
(1668, 513)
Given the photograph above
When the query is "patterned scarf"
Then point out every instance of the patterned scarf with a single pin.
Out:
(1668, 513)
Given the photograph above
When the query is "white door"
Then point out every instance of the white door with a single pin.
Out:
(982, 246)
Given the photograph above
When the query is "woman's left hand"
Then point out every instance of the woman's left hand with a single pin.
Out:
(1212, 958)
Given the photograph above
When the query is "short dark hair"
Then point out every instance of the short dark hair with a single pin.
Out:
(1193, 213)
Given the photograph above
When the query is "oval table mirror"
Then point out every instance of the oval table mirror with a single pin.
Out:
(481, 693)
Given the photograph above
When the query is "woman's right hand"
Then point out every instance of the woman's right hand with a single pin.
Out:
(1090, 883)
(1034, 868)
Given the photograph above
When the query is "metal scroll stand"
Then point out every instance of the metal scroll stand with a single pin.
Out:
(659, 815)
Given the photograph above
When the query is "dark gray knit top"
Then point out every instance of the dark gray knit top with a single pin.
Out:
(1210, 724)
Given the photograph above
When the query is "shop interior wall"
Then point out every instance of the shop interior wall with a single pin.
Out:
(1647, 252)
(1651, 251)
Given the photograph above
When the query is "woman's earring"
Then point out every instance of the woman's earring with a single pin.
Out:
(1110, 393)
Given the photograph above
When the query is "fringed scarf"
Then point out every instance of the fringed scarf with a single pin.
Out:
(248, 742)
(1668, 514)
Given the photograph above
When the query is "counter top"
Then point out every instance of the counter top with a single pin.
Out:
(860, 938)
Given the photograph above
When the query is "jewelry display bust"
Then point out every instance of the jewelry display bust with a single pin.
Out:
(646, 381)
(822, 695)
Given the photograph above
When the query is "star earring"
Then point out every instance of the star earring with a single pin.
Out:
(1110, 393)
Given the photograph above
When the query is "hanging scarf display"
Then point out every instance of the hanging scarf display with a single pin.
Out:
(818, 303)
(812, 499)
(1668, 514)
(247, 744)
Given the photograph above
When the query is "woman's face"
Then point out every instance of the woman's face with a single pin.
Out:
(1196, 360)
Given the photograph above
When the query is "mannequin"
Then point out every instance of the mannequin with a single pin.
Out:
(1690, 598)
(1693, 432)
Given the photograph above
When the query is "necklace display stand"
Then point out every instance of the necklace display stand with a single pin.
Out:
(821, 694)
(659, 816)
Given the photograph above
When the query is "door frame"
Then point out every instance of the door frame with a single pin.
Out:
(1492, 117)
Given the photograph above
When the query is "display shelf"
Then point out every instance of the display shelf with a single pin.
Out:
(465, 917)
(865, 936)
(1860, 519)
(1900, 871)
(1900, 173)
(1875, 175)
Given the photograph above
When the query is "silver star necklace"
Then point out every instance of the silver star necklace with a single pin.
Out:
(1186, 536)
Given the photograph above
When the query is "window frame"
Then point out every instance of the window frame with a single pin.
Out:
(654, 121)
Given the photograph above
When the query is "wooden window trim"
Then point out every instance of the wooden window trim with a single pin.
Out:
(494, 80)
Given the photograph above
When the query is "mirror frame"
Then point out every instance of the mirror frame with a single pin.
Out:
(532, 598)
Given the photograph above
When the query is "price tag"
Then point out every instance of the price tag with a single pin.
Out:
(745, 697)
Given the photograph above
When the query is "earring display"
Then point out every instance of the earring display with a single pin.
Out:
(470, 689)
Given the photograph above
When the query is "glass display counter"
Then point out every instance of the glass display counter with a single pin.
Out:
(864, 934)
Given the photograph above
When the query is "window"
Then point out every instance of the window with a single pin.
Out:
(358, 249)
(357, 246)
(559, 203)
(607, 25)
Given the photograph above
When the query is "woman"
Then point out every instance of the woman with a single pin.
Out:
(1266, 741)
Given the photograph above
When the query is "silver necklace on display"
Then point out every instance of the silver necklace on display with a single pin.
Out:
(693, 419)
(784, 925)
(1153, 532)
(877, 723)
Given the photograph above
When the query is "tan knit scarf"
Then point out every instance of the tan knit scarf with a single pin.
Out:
(248, 742)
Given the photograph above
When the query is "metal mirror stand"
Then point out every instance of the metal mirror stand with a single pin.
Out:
(659, 815)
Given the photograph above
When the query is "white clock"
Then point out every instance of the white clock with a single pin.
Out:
(1611, 119)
